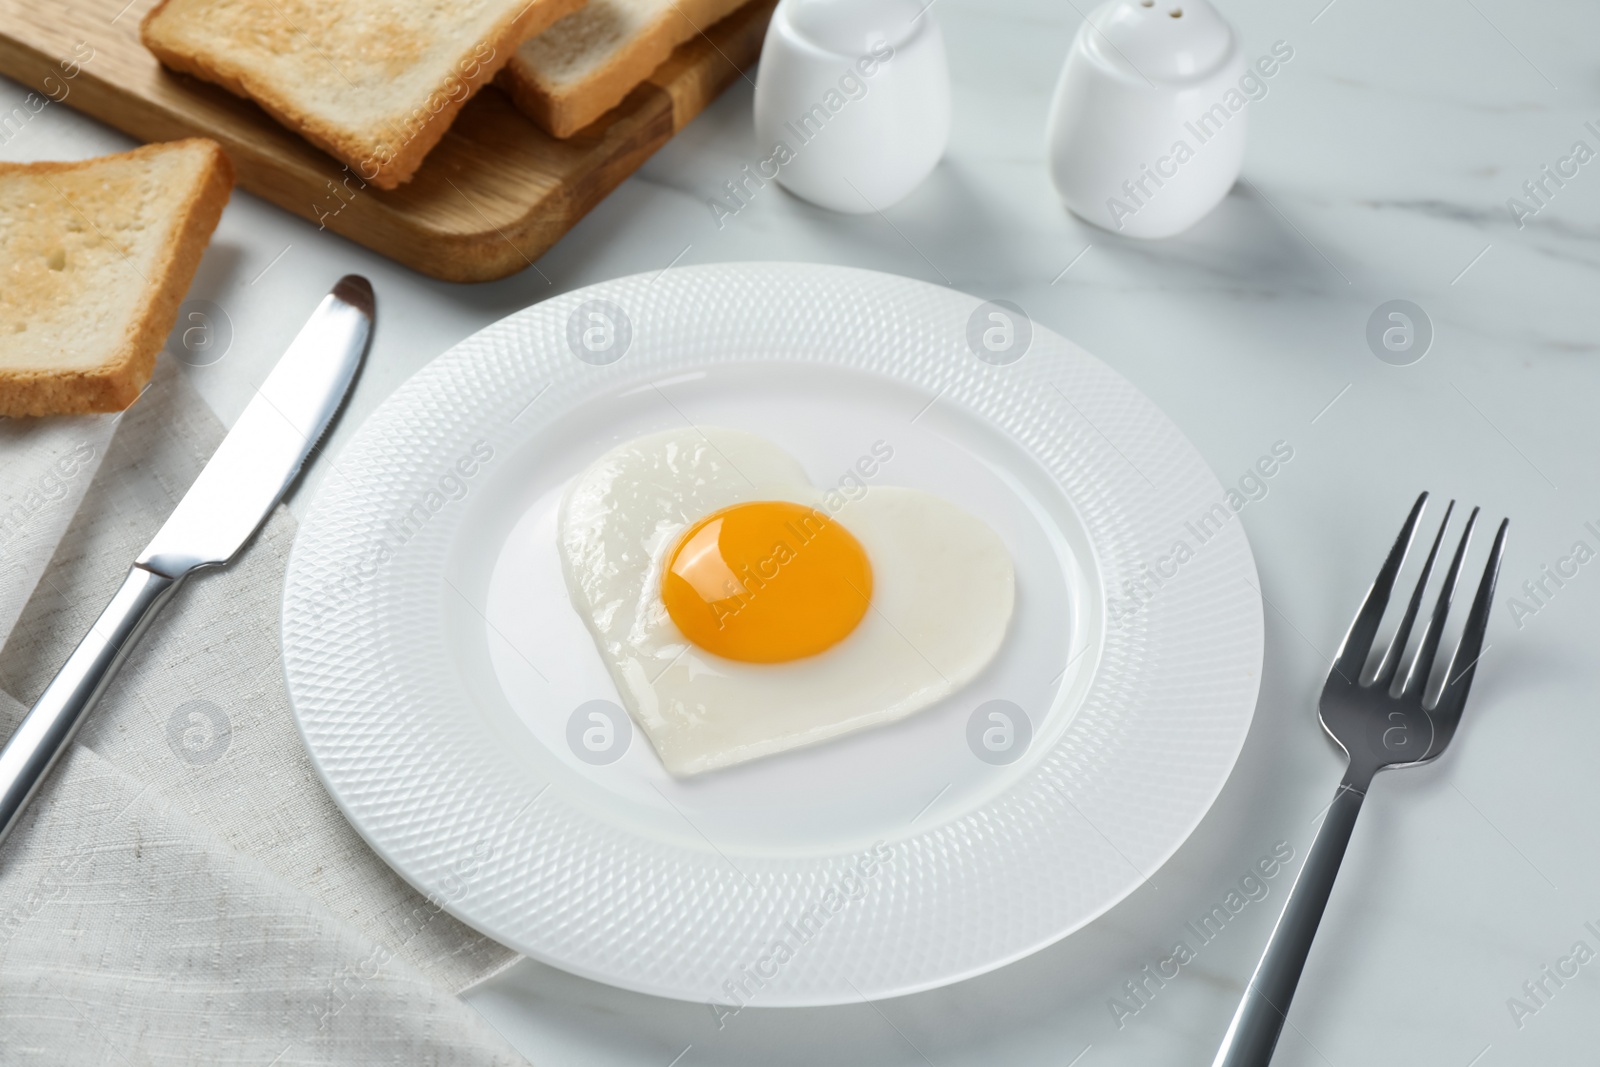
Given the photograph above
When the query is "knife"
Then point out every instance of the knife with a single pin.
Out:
(235, 492)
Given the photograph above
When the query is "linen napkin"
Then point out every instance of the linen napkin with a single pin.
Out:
(45, 467)
(184, 890)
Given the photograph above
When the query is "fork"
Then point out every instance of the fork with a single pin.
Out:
(1378, 726)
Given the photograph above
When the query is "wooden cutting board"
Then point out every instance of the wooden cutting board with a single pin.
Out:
(490, 198)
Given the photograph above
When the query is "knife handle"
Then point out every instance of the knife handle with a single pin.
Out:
(50, 724)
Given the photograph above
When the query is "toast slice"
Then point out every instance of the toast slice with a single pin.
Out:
(584, 65)
(375, 83)
(96, 257)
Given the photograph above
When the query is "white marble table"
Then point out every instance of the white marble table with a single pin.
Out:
(1380, 167)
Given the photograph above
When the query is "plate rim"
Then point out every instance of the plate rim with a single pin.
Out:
(846, 277)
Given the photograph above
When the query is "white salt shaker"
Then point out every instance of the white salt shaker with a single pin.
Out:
(852, 100)
(1147, 129)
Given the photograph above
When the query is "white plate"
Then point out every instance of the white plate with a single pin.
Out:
(435, 662)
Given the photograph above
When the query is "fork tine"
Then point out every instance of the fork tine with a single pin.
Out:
(1453, 697)
(1358, 642)
(1421, 667)
(1397, 648)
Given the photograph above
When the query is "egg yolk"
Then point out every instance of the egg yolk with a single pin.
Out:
(767, 581)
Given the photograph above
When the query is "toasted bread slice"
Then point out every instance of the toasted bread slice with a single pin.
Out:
(584, 65)
(96, 258)
(374, 83)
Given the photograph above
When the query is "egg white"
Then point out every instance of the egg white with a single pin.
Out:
(943, 592)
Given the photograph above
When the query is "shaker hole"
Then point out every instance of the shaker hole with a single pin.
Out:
(1147, 3)
(1176, 12)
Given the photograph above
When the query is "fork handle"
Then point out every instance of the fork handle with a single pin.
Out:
(1253, 1034)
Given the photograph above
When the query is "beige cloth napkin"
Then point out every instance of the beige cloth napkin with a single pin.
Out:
(184, 890)
(45, 467)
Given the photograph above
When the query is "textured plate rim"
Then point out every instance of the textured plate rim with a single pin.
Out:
(489, 892)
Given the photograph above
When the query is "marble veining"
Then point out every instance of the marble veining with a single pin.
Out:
(1380, 166)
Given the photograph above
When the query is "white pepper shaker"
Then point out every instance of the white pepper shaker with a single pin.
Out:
(852, 100)
(1147, 129)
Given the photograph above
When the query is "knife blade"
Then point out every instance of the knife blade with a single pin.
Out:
(259, 459)
(234, 494)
